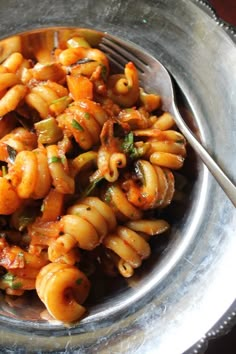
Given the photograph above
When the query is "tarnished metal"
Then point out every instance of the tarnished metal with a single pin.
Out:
(183, 290)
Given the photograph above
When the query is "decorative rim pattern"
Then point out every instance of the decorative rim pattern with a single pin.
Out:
(221, 328)
(228, 320)
(229, 29)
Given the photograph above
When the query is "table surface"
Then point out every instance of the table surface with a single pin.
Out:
(225, 9)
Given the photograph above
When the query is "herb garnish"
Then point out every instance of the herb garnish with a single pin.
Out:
(9, 279)
(76, 125)
(128, 146)
(92, 186)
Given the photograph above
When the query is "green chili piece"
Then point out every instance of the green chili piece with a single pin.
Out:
(48, 131)
(77, 42)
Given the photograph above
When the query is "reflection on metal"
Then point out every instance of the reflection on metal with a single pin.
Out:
(186, 287)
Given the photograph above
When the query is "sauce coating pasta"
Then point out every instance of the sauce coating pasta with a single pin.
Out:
(86, 157)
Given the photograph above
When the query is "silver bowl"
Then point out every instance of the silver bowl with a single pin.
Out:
(188, 283)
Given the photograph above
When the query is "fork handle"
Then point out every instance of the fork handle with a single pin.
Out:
(228, 187)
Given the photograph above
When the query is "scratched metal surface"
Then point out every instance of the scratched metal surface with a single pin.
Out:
(183, 294)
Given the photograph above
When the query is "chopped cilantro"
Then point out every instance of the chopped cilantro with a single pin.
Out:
(128, 146)
(92, 186)
(76, 125)
(9, 279)
(128, 142)
(16, 286)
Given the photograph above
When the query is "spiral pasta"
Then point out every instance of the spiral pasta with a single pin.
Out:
(88, 221)
(42, 96)
(83, 120)
(72, 290)
(130, 247)
(30, 174)
(86, 158)
(116, 197)
(110, 155)
(157, 187)
(130, 243)
(20, 139)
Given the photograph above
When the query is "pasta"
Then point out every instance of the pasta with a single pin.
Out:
(86, 159)
(132, 247)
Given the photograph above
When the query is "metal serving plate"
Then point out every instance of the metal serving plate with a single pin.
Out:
(188, 283)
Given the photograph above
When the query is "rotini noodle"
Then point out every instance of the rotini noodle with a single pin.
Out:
(20, 139)
(83, 120)
(72, 290)
(43, 95)
(88, 222)
(123, 209)
(12, 98)
(110, 156)
(123, 89)
(129, 246)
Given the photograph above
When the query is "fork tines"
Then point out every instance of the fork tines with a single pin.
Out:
(119, 53)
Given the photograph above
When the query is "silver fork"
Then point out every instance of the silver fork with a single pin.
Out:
(153, 76)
